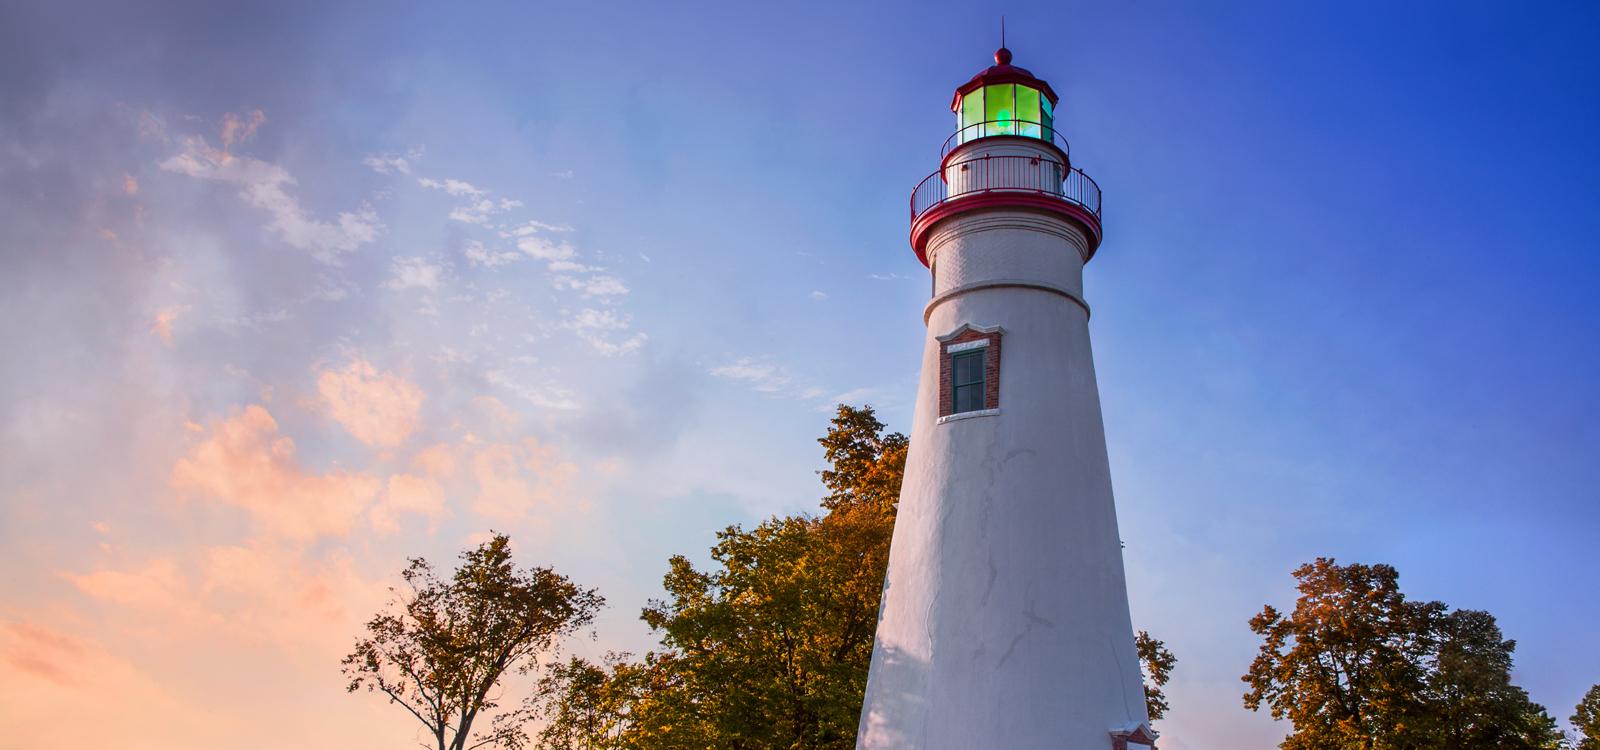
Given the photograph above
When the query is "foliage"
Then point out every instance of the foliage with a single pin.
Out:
(590, 706)
(769, 646)
(867, 464)
(442, 649)
(1470, 696)
(1586, 719)
(1357, 666)
(1157, 662)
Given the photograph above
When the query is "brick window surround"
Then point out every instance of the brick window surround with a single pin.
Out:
(969, 334)
(1140, 736)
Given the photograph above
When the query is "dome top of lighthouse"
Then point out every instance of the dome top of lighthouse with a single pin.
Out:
(1002, 72)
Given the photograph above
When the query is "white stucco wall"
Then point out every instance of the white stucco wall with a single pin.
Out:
(1005, 615)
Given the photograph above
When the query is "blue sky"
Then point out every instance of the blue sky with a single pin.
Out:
(594, 275)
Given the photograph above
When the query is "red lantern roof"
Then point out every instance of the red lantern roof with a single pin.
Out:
(1002, 72)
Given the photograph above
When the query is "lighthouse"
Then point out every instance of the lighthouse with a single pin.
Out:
(1004, 621)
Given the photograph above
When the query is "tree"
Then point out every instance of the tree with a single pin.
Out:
(590, 706)
(1586, 719)
(1343, 666)
(768, 647)
(1357, 666)
(1157, 662)
(445, 643)
(867, 464)
(1470, 698)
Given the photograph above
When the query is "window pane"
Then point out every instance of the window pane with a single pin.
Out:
(969, 368)
(1047, 113)
(1000, 108)
(969, 398)
(972, 114)
(1028, 111)
(967, 380)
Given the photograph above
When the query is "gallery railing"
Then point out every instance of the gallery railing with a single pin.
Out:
(1025, 128)
(1005, 174)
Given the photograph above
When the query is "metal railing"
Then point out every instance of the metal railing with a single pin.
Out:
(1005, 174)
(1024, 128)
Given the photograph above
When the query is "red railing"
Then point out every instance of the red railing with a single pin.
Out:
(1005, 174)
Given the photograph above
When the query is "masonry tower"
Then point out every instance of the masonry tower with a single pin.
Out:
(1005, 621)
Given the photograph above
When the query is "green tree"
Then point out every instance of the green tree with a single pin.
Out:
(867, 465)
(1157, 662)
(1357, 666)
(445, 643)
(590, 706)
(769, 646)
(1470, 698)
(1343, 667)
(1586, 719)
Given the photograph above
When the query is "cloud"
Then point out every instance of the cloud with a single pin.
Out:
(533, 227)
(479, 205)
(547, 395)
(515, 478)
(818, 296)
(764, 377)
(596, 327)
(246, 464)
(414, 273)
(478, 255)
(598, 285)
(453, 187)
(408, 493)
(387, 163)
(158, 584)
(377, 408)
(56, 678)
(165, 317)
(238, 128)
(264, 185)
(545, 249)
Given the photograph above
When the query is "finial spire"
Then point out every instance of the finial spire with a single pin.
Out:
(1002, 56)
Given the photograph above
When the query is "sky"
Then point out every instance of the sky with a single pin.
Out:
(293, 292)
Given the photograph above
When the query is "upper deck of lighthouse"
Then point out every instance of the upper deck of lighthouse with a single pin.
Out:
(1005, 153)
(1004, 100)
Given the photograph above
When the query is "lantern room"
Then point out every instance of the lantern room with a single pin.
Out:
(1004, 100)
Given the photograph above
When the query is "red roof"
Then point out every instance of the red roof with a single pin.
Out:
(1002, 72)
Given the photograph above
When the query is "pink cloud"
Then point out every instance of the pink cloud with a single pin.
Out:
(514, 478)
(246, 464)
(165, 317)
(377, 408)
(238, 128)
(158, 584)
(408, 493)
(50, 681)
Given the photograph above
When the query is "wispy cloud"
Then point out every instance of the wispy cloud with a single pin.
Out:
(544, 248)
(414, 273)
(265, 186)
(387, 163)
(762, 376)
(599, 285)
(478, 255)
(606, 331)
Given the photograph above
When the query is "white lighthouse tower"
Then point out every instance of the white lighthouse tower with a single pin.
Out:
(1004, 621)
